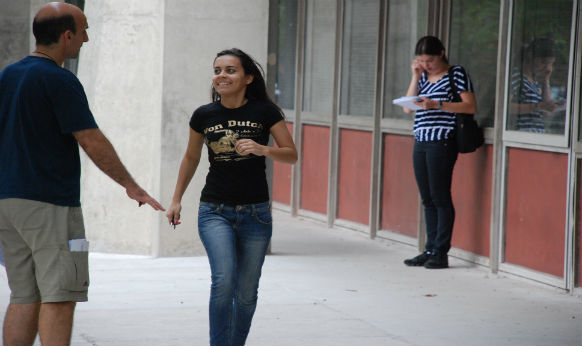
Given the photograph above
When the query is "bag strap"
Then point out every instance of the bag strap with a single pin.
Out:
(456, 96)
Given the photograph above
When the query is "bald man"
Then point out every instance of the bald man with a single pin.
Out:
(44, 117)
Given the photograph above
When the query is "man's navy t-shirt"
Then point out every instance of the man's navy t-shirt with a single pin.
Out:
(41, 105)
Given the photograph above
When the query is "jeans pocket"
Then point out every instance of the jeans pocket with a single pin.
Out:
(264, 216)
(207, 209)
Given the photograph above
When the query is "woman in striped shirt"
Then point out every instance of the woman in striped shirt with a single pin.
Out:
(435, 152)
(531, 95)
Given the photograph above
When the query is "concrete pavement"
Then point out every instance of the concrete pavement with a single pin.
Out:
(325, 287)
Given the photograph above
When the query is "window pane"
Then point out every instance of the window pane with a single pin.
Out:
(407, 22)
(475, 48)
(319, 56)
(540, 45)
(286, 48)
(580, 121)
(360, 40)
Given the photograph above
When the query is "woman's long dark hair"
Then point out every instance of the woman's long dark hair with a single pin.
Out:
(257, 89)
(430, 45)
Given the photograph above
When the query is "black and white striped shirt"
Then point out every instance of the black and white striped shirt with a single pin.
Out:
(527, 92)
(436, 124)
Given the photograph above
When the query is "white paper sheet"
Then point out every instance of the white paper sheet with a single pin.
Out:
(407, 101)
(78, 245)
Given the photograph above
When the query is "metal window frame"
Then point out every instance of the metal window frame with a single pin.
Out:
(519, 138)
(499, 174)
(309, 117)
(327, 120)
(514, 139)
(341, 121)
(375, 123)
(334, 128)
(377, 135)
(439, 14)
(575, 156)
(297, 125)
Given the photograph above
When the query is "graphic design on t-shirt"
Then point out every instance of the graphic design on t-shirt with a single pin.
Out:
(223, 140)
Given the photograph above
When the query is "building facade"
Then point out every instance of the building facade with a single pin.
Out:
(341, 63)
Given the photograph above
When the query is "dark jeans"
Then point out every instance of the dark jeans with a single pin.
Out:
(433, 168)
(236, 239)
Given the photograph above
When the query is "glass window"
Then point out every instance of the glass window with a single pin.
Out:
(286, 48)
(407, 22)
(475, 48)
(319, 56)
(579, 112)
(540, 44)
(359, 47)
(580, 118)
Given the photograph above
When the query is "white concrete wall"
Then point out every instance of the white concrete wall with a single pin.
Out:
(146, 67)
(121, 70)
(15, 29)
(195, 30)
(35, 5)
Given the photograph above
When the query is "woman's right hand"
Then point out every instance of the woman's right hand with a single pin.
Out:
(173, 213)
(547, 107)
(416, 68)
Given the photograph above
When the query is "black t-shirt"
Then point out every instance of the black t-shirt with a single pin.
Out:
(233, 178)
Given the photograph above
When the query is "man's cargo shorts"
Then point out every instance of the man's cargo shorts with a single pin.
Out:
(41, 266)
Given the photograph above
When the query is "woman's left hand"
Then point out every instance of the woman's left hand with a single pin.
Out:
(248, 146)
(427, 103)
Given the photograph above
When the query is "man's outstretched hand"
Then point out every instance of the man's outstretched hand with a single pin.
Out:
(142, 197)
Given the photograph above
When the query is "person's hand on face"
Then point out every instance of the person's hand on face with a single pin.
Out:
(416, 68)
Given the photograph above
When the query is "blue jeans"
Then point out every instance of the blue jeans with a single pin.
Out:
(433, 169)
(236, 239)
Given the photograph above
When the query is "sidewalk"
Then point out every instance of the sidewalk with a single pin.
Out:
(325, 287)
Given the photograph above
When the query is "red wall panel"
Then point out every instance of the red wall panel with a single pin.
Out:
(536, 210)
(578, 246)
(578, 253)
(399, 191)
(314, 168)
(282, 178)
(472, 183)
(355, 164)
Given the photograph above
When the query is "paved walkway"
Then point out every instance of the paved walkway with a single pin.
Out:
(325, 287)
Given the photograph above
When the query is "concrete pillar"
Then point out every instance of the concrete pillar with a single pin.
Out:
(15, 30)
(121, 70)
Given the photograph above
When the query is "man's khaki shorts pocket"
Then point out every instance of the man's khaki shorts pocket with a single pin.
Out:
(75, 274)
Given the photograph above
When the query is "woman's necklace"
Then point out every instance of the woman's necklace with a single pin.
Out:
(45, 54)
(435, 77)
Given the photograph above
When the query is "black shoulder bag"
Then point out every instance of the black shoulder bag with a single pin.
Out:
(468, 134)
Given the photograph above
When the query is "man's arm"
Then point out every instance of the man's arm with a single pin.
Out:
(102, 153)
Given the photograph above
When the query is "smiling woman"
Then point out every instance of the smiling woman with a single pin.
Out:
(230, 80)
(234, 219)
